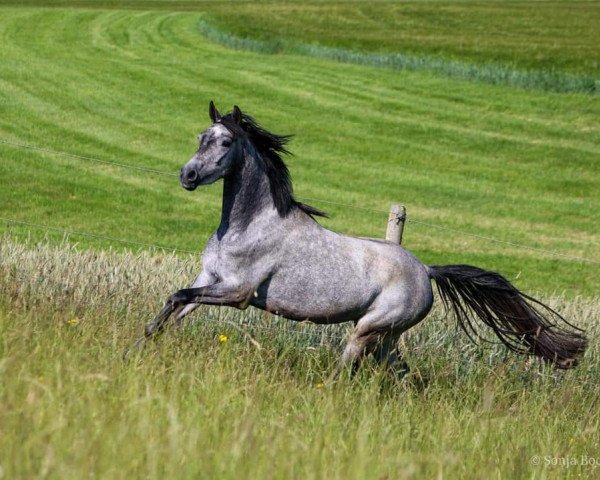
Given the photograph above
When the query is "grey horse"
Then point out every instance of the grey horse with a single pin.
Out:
(271, 253)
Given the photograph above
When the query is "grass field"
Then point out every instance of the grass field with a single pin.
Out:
(130, 82)
(557, 36)
(532, 35)
(132, 86)
(192, 406)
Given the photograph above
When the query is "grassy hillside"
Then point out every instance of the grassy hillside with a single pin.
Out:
(532, 35)
(197, 405)
(132, 86)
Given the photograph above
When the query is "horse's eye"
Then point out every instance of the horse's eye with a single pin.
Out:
(226, 143)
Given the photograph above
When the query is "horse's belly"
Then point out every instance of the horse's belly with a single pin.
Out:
(312, 299)
(306, 313)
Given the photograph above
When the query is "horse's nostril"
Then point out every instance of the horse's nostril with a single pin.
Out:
(191, 175)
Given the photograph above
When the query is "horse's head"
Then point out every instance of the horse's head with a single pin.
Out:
(216, 153)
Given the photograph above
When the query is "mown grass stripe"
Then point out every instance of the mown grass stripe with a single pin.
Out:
(87, 158)
(487, 73)
(358, 207)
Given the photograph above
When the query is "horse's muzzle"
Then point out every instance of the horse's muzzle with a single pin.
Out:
(189, 178)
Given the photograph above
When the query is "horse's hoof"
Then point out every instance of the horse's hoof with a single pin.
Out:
(137, 347)
(399, 369)
(150, 329)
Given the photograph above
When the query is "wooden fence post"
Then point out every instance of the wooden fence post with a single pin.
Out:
(395, 224)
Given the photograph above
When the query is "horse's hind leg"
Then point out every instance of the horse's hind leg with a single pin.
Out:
(383, 346)
(379, 330)
(372, 334)
(357, 348)
(388, 353)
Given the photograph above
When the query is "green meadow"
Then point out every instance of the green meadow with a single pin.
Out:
(489, 127)
(132, 86)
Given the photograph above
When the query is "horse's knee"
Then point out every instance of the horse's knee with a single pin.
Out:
(178, 299)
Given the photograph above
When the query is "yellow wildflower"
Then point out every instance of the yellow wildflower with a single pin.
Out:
(319, 385)
(73, 321)
(223, 338)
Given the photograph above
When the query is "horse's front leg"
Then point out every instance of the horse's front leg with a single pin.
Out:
(219, 293)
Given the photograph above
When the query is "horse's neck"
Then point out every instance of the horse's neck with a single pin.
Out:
(246, 195)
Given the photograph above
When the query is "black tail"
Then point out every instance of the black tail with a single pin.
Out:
(522, 323)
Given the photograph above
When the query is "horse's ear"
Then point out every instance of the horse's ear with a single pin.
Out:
(213, 113)
(237, 114)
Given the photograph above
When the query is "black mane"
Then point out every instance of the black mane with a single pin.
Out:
(271, 147)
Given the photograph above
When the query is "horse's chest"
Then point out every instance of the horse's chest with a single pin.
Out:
(231, 257)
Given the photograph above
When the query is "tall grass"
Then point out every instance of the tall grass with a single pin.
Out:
(556, 81)
(193, 405)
